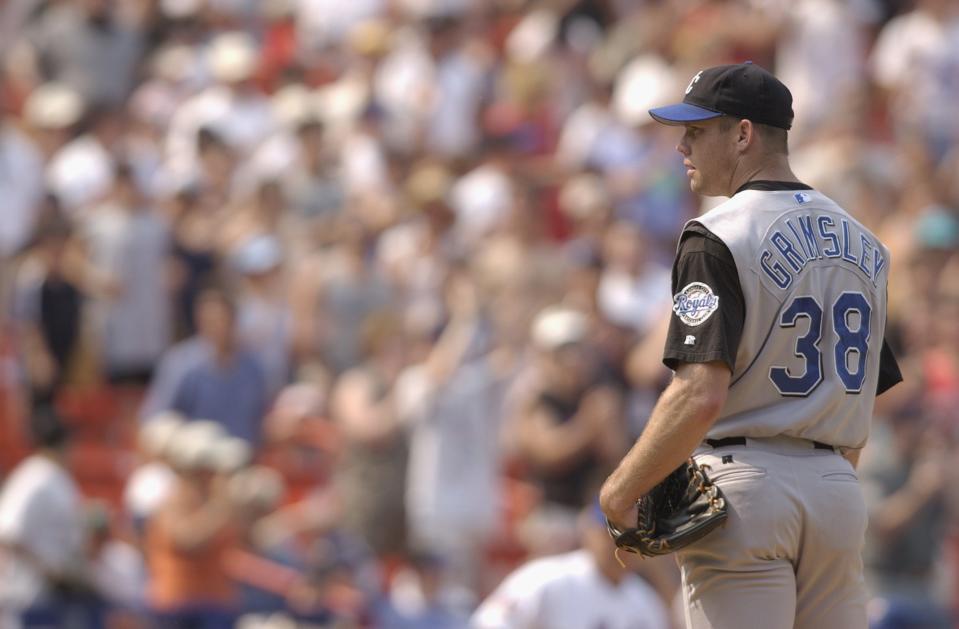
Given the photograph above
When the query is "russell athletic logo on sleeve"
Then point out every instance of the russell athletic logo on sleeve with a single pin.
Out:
(695, 303)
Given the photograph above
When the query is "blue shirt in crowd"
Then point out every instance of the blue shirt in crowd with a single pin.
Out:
(191, 382)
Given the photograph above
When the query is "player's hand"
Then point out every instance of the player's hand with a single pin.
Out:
(623, 518)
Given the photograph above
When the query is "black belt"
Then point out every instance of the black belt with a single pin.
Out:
(741, 441)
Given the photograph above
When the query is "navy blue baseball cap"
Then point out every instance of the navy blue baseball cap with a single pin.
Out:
(743, 90)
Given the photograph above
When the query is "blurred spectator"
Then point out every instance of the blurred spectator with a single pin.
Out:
(189, 536)
(312, 186)
(117, 567)
(214, 173)
(421, 598)
(482, 198)
(820, 55)
(462, 64)
(232, 108)
(342, 289)
(257, 491)
(150, 483)
(299, 418)
(261, 214)
(195, 224)
(211, 375)
(415, 253)
(14, 16)
(322, 23)
(363, 156)
(632, 290)
(42, 536)
(48, 113)
(174, 71)
(570, 429)
(82, 172)
(48, 305)
(450, 88)
(907, 480)
(129, 246)
(585, 129)
(91, 46)
(658, 201)
(585, 201)
(450, 404)
(51, 113)
(329, 593)
(21, 182)
(611, 135)
(914, 54)
(264, 318)
(583, 588)
(403, 85)
(372, 466)
(338, 577)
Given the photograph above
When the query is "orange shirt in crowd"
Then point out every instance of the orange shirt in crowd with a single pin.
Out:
(181, 578)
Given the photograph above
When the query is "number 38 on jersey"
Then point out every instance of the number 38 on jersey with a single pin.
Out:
(849, 317)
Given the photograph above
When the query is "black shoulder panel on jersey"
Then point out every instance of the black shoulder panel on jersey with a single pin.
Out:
(709, 308)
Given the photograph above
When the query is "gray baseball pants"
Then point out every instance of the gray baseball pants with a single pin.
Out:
(789, 555)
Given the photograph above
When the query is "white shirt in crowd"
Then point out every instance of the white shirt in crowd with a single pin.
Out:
(320, 22)
(81, 172)
(453, 486)
(458, 85)
(403, 85)
(482, 200)
(917, 56)
(821, 57)
(581, 131)
(41, 512)
(242, 119)
(131, 248)
(120, 573)
(147, 488)
(568, 592)
(21, 187)
(634, 301)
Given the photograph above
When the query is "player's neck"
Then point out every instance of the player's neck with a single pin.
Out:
(770, 169)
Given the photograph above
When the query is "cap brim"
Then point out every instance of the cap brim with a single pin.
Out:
(681, 113)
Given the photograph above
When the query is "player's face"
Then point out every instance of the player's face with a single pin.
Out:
(708, 155)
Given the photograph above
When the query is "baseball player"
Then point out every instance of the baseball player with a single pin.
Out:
(777, 343)
(582, 589)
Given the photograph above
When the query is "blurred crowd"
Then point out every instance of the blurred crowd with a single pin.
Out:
(421, 249)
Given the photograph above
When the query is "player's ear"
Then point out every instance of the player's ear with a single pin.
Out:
(746, 134)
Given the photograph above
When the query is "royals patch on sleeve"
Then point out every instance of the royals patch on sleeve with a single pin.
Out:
(695, 303)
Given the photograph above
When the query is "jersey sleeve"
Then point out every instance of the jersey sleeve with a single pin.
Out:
(889, 373)
(709, 308)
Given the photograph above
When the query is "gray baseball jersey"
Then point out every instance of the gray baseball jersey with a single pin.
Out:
(813, 299)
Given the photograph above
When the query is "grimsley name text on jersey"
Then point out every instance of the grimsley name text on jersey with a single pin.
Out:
(806, 237)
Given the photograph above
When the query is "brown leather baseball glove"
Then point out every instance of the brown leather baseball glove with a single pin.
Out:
(683, 508)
